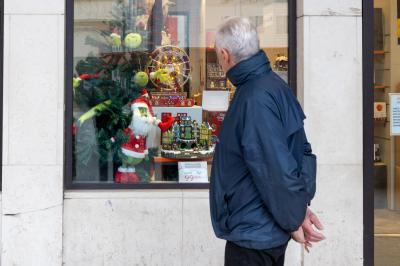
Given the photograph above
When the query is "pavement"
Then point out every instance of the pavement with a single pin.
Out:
(387, 237)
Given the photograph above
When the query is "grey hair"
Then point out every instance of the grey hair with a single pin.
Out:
(238, 36)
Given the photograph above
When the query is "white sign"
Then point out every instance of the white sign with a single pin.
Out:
(394, 114)
(215, 100)
(193, 172)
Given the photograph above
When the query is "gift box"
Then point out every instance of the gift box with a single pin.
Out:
(173, 102)
(164, 94)
(165, 116)
(215, 119)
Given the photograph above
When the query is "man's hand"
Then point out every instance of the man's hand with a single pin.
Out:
(306, 232)
(299, 237)
(310, 234)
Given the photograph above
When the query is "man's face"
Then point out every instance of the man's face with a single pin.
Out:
(224, 59)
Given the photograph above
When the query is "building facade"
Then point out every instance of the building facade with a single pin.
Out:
(45, 221)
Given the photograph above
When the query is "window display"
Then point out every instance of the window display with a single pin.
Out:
(140, 69)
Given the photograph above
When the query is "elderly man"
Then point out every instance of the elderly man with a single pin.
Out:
(263, 174)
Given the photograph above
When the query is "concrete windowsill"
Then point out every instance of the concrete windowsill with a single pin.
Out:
(126, 194)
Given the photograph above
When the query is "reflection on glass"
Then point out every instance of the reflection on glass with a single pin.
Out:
(386, 145)
(140, 69)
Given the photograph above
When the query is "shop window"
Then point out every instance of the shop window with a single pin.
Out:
(133, 66)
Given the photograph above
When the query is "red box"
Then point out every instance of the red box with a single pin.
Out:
(215, 119)
(164, 116)
(172, 102)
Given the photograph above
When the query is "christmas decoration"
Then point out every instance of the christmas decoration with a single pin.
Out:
(76, 82)
(141, 79)
(134, 151)
(161, 77)
(281, 63)
(171, 68)
(215, 119)
(165, 38)
(89, 76)
(133, 40)
(187, 139)
(116, 41)
(142, 21)
(170, 99)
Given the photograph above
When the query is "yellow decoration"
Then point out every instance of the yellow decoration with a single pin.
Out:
(133, 40)
(398, 27)
(92, 112)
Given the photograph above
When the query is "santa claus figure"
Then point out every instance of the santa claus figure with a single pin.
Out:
(134, 151)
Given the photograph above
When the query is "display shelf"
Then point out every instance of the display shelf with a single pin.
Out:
(378, 52)
(215, 76)
(217, 89)
(159, 159)
(383, 138)
(380, 87)
(161, 162)
(381, 121)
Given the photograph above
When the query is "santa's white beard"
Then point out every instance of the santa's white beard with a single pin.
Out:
(141, 125)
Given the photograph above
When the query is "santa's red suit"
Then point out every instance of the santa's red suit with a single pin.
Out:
(136, 145)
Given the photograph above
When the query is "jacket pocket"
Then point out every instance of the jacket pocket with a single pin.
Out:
(220, 212)
(226, 215)
(309, 173)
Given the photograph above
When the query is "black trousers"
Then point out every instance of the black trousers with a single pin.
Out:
(238, 256)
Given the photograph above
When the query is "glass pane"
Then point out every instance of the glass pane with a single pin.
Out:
(166, 47)
(386, 139)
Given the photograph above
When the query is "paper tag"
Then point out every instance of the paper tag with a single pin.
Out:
(394, 114)
(215, 100)
(193, 172)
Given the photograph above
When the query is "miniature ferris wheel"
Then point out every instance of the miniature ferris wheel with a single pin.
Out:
(169, 68)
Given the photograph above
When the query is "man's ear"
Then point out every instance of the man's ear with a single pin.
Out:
(226, 55)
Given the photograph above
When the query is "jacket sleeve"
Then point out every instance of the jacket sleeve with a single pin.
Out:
(272, 166)
(309, 168)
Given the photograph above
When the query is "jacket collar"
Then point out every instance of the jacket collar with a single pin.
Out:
(253, 66)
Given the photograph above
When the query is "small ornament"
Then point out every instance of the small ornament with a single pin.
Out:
(160, 76)
(76, 82)
(165, 38)
(115, 40)
(141, 79)
(89, 76)
(141, 21)
(133, 40)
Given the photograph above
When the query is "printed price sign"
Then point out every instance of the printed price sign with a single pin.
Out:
(394, 114)
(193, 172)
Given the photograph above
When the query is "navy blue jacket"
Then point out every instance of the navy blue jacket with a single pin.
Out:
(263, 173)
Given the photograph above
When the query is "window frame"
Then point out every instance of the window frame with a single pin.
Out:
(368, 130)
(68, 101)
